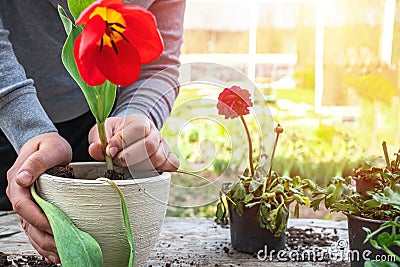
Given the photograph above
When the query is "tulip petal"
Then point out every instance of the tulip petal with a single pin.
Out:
(122, 68)
(92, 34)
(116, 40)
(85, 15)
(86, 67)
(145, 38)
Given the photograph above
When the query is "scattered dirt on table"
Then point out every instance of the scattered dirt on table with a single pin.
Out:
(310, 245)
(298, 238)
(24, 261)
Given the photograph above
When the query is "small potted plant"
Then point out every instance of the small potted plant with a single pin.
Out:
(370, 209)
(89, 218)
(258, 203)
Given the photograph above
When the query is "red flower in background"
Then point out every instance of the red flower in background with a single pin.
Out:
(115, 41)
(234, 102)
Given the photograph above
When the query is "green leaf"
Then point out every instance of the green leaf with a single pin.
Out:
(316, 202)
(127, 223)
(385, 239)
(297, 210)
(372, 203)
(65, 19)
(281, 220)
(239, 208)
(248, 198)
(389, 197)
(219, 214)
(77, 6)
(240, 192)
(105, 100)
(375, 244)
(68, 60)
(380, 264)
(298, 198)
(100, 98)
(75, 247)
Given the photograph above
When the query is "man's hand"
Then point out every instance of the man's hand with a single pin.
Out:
(133, 141)
(35, 157)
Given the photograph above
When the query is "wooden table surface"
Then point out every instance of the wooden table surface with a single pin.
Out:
(191, 242)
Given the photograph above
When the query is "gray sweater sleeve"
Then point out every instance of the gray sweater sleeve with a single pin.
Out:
(154, 92)
(21, 114)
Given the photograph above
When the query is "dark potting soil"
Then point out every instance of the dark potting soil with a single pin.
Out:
(113, 175)
(68, 172)
(22, 261)
(60, 171)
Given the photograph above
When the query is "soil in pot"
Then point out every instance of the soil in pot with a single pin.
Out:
(357, 236)
(68, 172)
(246, 234)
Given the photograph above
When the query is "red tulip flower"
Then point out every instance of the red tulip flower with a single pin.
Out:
(116, 40)
(234, 102)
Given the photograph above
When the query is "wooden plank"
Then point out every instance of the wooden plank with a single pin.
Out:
(18, 243)
(191, 242)
(201, 242)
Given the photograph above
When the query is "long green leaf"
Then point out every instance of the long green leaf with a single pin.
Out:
(100, 98)
(75, 247)
(110, 92)
(77, 6)
(105, 100)
(65, 19)
(127, 223)
(68, 60)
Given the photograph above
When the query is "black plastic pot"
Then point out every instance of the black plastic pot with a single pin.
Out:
(357, 236)
(247, 236)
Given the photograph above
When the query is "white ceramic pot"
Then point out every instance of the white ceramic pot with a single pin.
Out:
(94, 207)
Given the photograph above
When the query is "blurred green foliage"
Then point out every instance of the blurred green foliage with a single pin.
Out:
(312, 146)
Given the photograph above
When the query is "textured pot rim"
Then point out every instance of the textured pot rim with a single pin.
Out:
(151, 179)
(363, 219)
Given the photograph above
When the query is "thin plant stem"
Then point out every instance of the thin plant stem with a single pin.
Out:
(250, 146)
(385, 151)
(268, 180)
(397, 160)
(103, 140)
(101, 127)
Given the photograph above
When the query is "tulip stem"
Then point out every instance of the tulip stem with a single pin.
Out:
(103, 140)
(250, 146)
(101, 126)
